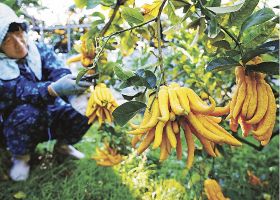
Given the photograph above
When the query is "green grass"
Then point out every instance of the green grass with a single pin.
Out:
(141, 177)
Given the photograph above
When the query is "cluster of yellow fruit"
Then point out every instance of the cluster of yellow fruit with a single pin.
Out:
(176, 107)
(88, 52)
(253, 106)
(107, 156)
(86, 56)
(101, 105)
(213, 190)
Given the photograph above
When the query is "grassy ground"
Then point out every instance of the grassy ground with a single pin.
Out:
(142, 177)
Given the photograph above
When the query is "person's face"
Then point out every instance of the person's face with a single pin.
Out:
(14, 45)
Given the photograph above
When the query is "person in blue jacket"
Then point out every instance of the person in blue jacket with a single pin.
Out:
(33, 84)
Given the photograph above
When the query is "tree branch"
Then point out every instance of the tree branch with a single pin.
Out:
(258, 148)
(108, 24)
(160, 57)
(128, 29)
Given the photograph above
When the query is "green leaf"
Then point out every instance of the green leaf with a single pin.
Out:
(222, 63)
(213, 29)
(265, 67)
(96, 23)
(98, 14)
(132, 15)
(121, 73)
(171, 13)
(148, 76)
(258, 35)
(107, 2)
(236, 18)
(80, 3)
(81, 74)
(126, 111)
(226, 9)
(92, 4)
(179, 3)
(222, 44)
(172, 29)
(141, 77)
(258, 17)
(269, 47)
(20, 195)
(10, 2)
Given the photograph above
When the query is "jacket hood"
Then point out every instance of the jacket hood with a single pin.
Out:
(7, 16)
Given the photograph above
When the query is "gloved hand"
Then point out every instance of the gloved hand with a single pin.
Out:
(67, 85)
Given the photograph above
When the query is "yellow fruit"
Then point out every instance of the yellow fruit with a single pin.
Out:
(220, 111)
(205, 143)
(253, 100)
(163, 104)
(155, 114)
(174, 102)
(172, 116)
(270, 115)
(146, 142)
(179, 147)
(163, 148)
(170, 134)
(198, 105)
(240, 99)
(190, 143)
(183, 99)
(158, 134)
(192, 119)
(218, 130)
(262, 104)
(175, 127)
(249, 92)
(76, 58)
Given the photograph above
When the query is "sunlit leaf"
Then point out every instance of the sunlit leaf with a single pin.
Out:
(132, 15)
(212, 28)
(80, 3)
(126, 111)
(258, 17)
(122, 73)
(98, 14)
(226, 9)
(171, 12)
(20, 195)
(236, 18)
(151, 10)
(258, 35)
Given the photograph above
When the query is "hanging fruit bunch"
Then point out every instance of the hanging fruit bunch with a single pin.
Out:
(107, 156)
(213, 190)
(87, 53)
(253, 105)
(177, 107)
(101, 104)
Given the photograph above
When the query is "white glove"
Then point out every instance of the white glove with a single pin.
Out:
(19, 170)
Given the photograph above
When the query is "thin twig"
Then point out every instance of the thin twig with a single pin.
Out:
(128, 29)
(233, 38)
(108, 24)
(160, 57)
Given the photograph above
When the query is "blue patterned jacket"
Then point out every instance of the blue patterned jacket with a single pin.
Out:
(27, 89)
